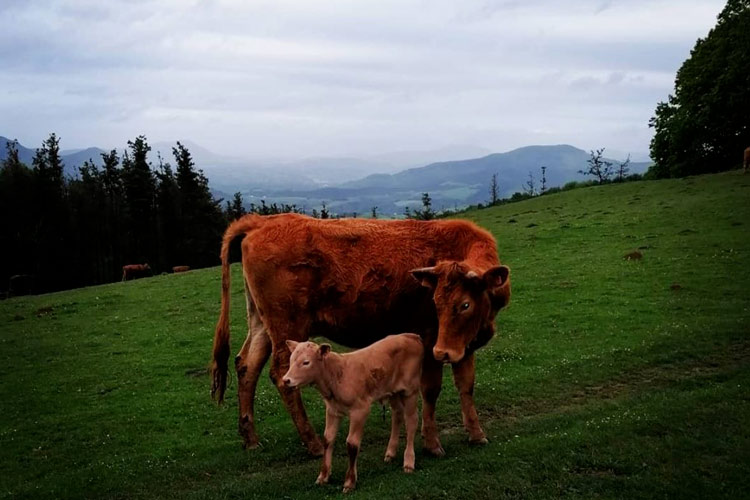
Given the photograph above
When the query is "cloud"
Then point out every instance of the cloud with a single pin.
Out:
(300, 78)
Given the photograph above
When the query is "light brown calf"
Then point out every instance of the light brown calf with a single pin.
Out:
(180, 269)
(349, 383)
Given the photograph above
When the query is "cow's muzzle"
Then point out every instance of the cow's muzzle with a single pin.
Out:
(447, 355)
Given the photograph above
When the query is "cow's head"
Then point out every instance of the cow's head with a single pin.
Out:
(146, 267)
(467, 302)
(306, 362)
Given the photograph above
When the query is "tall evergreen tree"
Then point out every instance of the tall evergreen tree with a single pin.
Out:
(140, 189)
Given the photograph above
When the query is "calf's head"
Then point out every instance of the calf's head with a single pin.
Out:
(306, 362)
(466, 301)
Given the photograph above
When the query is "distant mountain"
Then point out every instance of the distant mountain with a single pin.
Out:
(452, 183)
(349, 185)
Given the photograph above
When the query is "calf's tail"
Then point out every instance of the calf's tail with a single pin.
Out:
(219, 364)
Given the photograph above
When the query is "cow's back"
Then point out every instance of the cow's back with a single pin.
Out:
(351, 277)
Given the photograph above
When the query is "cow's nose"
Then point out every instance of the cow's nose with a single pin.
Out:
(440, 355)
(287, 381)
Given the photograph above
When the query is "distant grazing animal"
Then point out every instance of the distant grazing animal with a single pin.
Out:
(746, 160)
(390, 369)
(180, 269)
(356, 281)
(133, 271)
(634, 255)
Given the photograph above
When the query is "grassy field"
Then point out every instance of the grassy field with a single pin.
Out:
(608, 377)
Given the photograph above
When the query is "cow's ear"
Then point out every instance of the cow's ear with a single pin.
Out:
(427, 276)
(324, 349)
(498, 285)
(292, 345)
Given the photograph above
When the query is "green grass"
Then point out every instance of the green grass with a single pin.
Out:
(603, 380)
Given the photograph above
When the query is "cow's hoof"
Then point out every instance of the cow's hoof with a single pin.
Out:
(435, 451)
(408, 470)
(348, 489)
(321, 480)
(315, 448)
(250, 443)
(478, 442)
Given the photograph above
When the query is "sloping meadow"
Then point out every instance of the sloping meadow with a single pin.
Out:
(611, 376)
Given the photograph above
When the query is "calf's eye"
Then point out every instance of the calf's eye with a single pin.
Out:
(465, 306)
(305, 363)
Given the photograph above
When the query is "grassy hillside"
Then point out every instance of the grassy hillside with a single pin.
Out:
(608, 378)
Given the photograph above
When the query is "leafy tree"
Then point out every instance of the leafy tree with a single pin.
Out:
(530, 186)
(705, 125)
(623, 169)
(426, 212)
(494, 191)
(599, 167)
(235, 209)
(324, 213)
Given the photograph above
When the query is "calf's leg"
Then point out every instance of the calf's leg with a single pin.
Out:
(397, 416)
(329, 436)
(249, 363)
(410, 409)
(432, 382)
(291, 397)
(463, 377)
(357, 418)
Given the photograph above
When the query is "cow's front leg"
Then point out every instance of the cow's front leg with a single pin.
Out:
(357, 418)
(463, 377)
(329, 436)
(432, 382)
(292, 399)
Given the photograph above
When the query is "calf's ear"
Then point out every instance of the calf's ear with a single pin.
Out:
(427, 276)
(498, 285)
(292, 345)
(325, 349)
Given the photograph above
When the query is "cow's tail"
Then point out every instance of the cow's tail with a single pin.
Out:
(219, 364)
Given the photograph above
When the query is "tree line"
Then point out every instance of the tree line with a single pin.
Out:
(65, 232)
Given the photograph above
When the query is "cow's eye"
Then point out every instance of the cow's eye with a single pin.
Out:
(465, 306)
(305, 363)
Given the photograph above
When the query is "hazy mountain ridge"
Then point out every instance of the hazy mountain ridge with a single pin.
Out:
(350, 185)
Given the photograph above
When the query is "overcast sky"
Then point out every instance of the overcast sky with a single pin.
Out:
(307, 77)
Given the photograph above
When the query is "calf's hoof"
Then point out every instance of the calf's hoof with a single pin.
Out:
(388, 458)
(408, 469)
(348, 488)
(321, 480)
(478, 441)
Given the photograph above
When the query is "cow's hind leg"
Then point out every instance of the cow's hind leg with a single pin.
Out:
(410, 410)
(249, 363)
(463, 376)
(432, 382)
(291, 397)
(397, 416)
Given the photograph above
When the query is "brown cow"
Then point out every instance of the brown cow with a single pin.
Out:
(133, 271)
(746, 160)
(349, 383)
(352, 281)
(180, 269)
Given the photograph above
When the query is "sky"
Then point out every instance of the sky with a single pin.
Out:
(293, 79)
